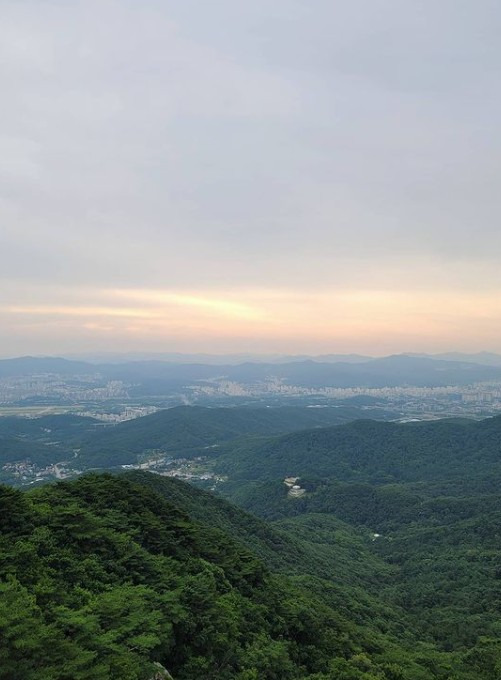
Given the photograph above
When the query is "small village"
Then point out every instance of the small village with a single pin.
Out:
(25, 472)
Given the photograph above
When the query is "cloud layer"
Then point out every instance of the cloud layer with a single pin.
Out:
(228, 155)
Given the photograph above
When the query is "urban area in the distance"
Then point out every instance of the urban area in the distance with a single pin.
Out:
(398, 388)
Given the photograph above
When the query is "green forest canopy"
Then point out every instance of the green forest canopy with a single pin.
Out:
(103, 576)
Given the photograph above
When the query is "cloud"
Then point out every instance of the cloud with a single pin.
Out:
(301, 320)
(209, 149)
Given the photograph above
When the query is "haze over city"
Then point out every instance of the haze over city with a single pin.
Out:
(249, 177)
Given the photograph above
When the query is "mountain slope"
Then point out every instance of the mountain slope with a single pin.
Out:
(433, 564)
(44, 441)
(378, 452)
(27, 366)
(189, 430)
(65, 427)
(118, 578)
(104, 576)
(161, 377)
(13, 449)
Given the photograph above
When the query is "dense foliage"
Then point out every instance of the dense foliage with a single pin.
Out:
(182, 431)
(445, 451)
(437, 524)
(45, 440)
(388, 567)
(101, 577)
(194, 430)
(432, 575)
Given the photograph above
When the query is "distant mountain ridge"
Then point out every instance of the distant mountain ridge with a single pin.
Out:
(482, 358)
(28, 365)
(157, 377)
(214, 359)
(99, 358)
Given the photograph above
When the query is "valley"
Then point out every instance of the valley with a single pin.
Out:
(376, 538)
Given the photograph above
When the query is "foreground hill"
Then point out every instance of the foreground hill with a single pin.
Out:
(104, 577)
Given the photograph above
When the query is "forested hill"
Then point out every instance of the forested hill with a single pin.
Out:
(45, 440)
(376, 452)
(187, 429)
(104, 577)
(182, 430)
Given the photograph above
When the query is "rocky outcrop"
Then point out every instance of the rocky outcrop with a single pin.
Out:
(161, 673)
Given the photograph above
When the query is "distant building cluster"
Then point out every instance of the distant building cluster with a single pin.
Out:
(25, 472)
(55, 386)
(423, 402)
(129, 413)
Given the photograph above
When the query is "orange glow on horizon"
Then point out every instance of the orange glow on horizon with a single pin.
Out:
(347, 320)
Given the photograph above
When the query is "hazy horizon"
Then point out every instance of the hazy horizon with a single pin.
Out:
(117, 357)
(292, 178)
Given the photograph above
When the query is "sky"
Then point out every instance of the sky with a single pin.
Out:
(290, 176)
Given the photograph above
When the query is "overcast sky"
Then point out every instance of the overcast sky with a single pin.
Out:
(245, 175)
